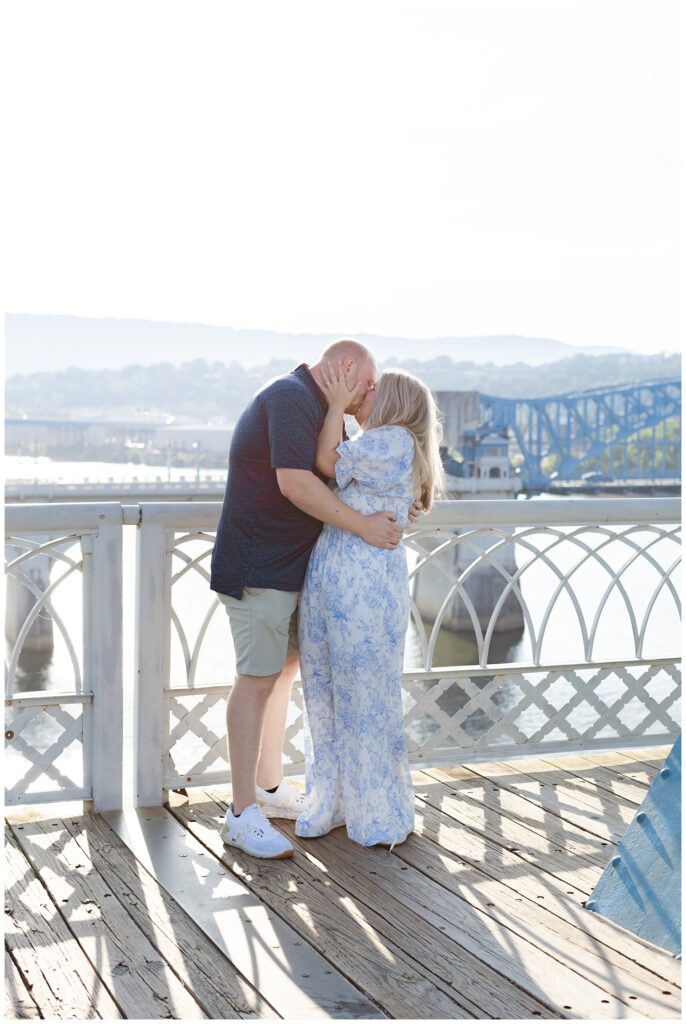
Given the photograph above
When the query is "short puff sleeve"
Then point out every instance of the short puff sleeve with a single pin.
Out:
(379, 458)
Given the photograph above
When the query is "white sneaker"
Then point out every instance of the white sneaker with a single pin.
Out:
(284, 802)
(251, 832)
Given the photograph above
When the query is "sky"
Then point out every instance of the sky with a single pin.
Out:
(412, 169)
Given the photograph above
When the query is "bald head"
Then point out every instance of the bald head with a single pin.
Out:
(345, 349)
(358, 365)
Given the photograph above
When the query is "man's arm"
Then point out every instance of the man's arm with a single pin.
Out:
(311, 495)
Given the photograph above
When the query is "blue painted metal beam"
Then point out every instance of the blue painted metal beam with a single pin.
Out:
(640, 888)
(584, 427)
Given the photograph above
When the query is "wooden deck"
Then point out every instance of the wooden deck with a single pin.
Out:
(479, 914)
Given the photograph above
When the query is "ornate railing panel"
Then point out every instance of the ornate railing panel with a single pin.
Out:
(59, 557)
(507, 569)
(483, 677)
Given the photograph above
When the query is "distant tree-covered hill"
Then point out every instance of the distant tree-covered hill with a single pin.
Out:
(97, 343)
(213, 391)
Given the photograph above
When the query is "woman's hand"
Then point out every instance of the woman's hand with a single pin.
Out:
(336, 390)
(415, 510)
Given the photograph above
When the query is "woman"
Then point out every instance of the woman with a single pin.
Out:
(354, 614)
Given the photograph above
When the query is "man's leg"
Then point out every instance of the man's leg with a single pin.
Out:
(245, 716)
(269, 767)
(264, 628)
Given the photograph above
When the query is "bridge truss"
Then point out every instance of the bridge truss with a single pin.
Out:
(627, 432)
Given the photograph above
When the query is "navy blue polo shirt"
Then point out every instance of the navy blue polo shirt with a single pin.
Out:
(263, 539)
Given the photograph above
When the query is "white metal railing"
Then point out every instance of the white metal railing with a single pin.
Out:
(48, 546)
(483, 710)
(474, 564)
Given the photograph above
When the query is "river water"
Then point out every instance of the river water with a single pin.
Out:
(216, 663)
(44, 470)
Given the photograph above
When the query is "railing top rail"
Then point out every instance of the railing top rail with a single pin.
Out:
(561, 511)
(455, 513)
(182, 514)
(51, 516)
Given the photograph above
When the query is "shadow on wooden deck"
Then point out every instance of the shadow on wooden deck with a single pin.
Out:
(479, 914)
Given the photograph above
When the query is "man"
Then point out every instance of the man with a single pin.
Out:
(274, 507)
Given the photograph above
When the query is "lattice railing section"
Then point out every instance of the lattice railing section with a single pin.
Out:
(527, 572)
(44, 756)
(44, 752)
(197, 748)
(475, 714)
(57, 696)
(533, 709)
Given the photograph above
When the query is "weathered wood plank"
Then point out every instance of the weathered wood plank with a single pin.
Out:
(292, 975)
(613, 811)
(626, 766)
(201, 967)
(449, 925)
(655, 960)
(544, 856)
(619, 808)
(505, 818)
(597, 949)
(562, 899)
(140, 981)
(388, 941)
(652, 757)
(551, 793)
(545, 976)
(639, 768)
(599, 777)
(612, 976)
(61, 978)
(346, 937)
(618, 763)
(19, 1004)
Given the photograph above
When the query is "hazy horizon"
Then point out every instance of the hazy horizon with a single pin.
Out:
(49, 343)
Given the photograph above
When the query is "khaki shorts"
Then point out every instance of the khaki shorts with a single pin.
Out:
(264, 626)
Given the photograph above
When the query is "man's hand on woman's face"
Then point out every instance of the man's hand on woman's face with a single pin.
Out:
(336, 390)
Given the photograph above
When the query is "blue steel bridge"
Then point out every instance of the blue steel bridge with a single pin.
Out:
(628, 432)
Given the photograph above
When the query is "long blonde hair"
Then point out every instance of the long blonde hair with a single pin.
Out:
(404, 401)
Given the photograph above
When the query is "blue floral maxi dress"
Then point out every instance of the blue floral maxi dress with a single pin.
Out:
(354, 612)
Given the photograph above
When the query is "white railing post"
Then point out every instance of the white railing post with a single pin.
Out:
(152, 651)
(102, 656)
